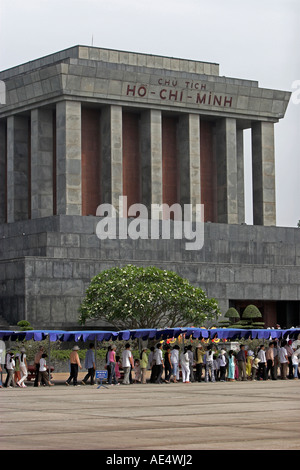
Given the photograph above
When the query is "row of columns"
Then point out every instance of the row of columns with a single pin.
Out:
(35, 184)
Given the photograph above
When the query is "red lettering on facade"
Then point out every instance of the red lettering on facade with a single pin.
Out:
(218, 100)
(201, 99)
(142, 91)
(130, 90)
(173, 95)
(228, 101)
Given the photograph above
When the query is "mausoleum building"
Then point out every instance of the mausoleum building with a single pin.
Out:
(82, 127)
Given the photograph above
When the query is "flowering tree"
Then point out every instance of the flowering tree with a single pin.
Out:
(135, 297)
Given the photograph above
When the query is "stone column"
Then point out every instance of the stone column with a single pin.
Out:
(41, 163)
(188, 143)
(240, 175)
(17, 168)
(226, 157)
(263, 174)
(151, 156)
(68, 157)
(2, 172)
(111, 155)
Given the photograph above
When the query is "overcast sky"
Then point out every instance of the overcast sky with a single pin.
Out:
(250, 39)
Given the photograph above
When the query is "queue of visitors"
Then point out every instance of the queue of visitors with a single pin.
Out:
(204, 364)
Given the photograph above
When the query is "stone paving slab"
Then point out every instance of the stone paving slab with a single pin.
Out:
(223, 416)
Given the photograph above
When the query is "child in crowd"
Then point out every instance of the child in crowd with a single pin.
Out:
(216, 367)
(117, 367)
(137, 371)
(255, 368)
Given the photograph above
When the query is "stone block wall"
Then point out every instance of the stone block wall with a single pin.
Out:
(47, 264)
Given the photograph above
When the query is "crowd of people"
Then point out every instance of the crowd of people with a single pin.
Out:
(277, 360)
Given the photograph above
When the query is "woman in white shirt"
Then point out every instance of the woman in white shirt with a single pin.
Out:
(283, 359)
(43, 371)
(185, 369)
(209, 365)
(23, 369)
(261, 373)
(174, 362)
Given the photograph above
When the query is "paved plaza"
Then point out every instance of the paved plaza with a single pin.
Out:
(172, 417)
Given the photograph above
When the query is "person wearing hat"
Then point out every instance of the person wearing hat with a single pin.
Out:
(74, 364)
(255, 368)
(222, 364)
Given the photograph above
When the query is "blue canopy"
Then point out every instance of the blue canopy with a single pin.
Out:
(154, 333)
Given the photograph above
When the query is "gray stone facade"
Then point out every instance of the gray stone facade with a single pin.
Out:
(49, 250)
(47, 264)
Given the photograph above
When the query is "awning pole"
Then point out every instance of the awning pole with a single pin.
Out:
(95, 352)
(49, 354)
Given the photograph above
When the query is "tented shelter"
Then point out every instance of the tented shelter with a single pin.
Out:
(144, 334)
(190, 332)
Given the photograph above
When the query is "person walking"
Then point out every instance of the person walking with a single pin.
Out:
(289, 350)
(231, 366)
(276, 358)
(10, 367)
(112, 365)
(37, 358)
(263, 362)
(295, 362)
(144, 364)
(185, 365)
(283, 359)
(23, 368)
(168, 365)
(74, 365)
(209, 373)
(159, 363)
(191, 362)
(199, 353)
(175, 362)
(127, 363)
(270, 361)
(241, 360)
(151, 364)
(90, 365)
(222, 364)
(43, 372)
(255, 365)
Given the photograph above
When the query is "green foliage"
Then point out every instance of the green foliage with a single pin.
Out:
(232, 313)
(251, 311)
(24, 325)
(136, 297)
